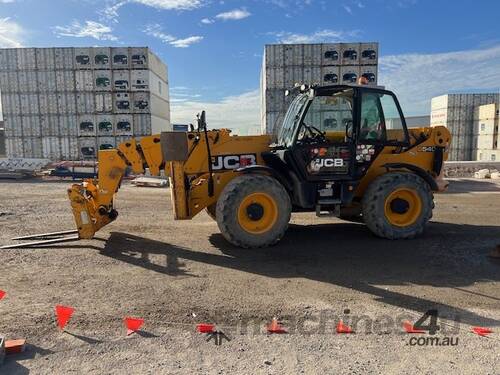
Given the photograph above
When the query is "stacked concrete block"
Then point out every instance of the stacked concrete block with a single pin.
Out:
(67, 103)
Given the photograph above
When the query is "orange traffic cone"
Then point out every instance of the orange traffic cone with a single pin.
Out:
(342, 328)
(275, 327)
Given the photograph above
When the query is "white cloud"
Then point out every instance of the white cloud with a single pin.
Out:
(11, 33)
(320, 36)
(207, 21)
(111, 10)
(6, 1)
(416, 78)
(155, 30)
(347, 8)
(90, 29)
(186, 42)
(241, 113)
(233, 15)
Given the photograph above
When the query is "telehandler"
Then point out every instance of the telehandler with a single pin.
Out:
(341, 150)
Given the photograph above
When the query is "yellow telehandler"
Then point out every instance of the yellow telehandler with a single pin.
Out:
(341, 150)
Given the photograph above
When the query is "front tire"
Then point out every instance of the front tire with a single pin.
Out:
(253, 211)
(397, 205)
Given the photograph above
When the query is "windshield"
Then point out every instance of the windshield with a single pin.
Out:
(292, 116)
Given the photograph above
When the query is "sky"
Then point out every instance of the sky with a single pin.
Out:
(214, 48)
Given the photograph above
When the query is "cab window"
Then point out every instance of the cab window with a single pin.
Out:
(329, 114)
(380, 119)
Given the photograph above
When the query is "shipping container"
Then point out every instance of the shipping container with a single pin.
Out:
(142, 125)
(141, 102)
(121, 102)
(105, 143)
(11, 104)
(64, 58)
(159, 125)
(29, 104)
(68, 126)
(66, 102)
(101, 58)
(32, 147)
(45, 58)
(85, 103)
(124, 125)
(102, 80)
(294, 55)
(83, 58)
(105, 126)
(349, 74)
(139, 80)
(31, 126)
(330, 75)
(294, 75)
(312, 75)
(65, 80)
(50, 125)
(370, 73)
(121, 80)
(120, 58)
(330, 54)
(313, 55)
(103, 102)
(69, 148)
(86, 125)
(157, 107)
(350, 53)
(9, 82)
(87, 148)
(26, 58)
(274, 56)
(144, 58)
(47, 103)
(46, 80)
(8, 59)
(275, 100)
(13, 126)
(157, 86)
(274, 78)
(27, 81)
(51, 148)
(14, 147)
(84, 80)
(368, 53)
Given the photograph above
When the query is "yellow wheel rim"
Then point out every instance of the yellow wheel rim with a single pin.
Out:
(257, 213)
(403, 207)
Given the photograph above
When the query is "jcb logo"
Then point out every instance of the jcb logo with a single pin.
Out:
(222, 162)
(317, 164)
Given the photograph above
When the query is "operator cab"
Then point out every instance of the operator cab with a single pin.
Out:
(329, 138)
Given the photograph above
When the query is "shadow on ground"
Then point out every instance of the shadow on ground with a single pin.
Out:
(347, 255)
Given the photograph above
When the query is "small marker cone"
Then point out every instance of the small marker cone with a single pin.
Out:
(275, 327)
(133, 324)
(481, 331)
(205, 328)
(410, 329)
(2, 294)
(63, 314)
(342, 328)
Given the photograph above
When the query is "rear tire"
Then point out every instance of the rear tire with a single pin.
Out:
(397, 205)
(253, 211)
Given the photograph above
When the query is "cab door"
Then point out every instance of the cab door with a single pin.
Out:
(324, 147)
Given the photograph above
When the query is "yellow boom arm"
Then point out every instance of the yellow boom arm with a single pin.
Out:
(92, 201)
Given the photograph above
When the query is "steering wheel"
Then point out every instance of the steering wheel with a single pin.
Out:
(316, 134)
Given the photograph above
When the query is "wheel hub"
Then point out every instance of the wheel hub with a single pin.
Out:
(403, 207)
(400, 206)
(255, 211)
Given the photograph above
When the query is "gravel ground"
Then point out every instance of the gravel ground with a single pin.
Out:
(175, 274)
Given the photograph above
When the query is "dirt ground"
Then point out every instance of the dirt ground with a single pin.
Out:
(176, 274)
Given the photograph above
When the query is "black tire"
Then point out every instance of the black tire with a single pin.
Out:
(352, 214)
(211, 211)
(228, 206)
(374, 205)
